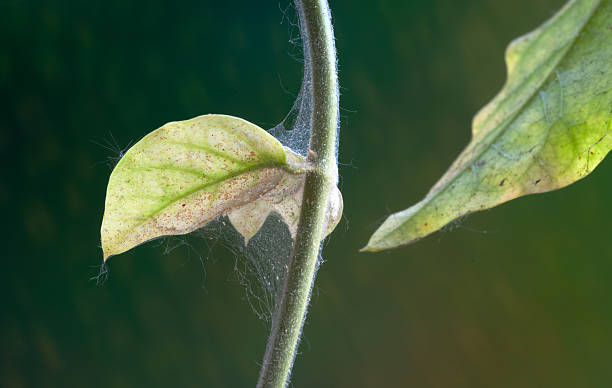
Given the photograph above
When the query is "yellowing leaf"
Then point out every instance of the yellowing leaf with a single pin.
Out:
(184, 174)
(549, 126)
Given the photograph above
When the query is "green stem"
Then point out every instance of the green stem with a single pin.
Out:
(320, 52)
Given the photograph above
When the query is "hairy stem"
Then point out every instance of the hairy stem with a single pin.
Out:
(318, 41)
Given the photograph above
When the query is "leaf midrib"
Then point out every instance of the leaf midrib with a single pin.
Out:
(204, 186)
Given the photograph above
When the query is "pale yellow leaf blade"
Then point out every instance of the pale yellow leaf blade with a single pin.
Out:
(184, 174)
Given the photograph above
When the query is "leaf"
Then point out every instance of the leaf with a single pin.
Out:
(550, 125)
(186, 173)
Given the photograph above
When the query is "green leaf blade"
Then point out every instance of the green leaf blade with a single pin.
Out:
(549, 126)
(184, 174)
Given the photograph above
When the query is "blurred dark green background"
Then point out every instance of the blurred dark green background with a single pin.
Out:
(518, 296)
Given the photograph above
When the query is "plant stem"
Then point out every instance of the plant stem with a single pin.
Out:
(318, 42)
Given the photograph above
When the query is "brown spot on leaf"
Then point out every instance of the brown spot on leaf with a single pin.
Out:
(538, 181)
(502, 182)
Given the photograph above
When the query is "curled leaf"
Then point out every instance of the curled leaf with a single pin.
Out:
(186, 173)
(286, 200)
(549, 126)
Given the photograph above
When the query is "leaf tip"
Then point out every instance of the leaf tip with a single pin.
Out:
(375, 244)
(105, 255)
(367, 248)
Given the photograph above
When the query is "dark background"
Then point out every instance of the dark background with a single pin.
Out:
(518, 296)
